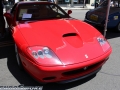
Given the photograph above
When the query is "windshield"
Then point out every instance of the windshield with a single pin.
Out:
(40, 11)
(114, 3)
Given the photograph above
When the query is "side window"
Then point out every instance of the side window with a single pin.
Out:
(56, 9)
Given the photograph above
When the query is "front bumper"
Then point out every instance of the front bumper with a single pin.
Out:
(79, 78)
(67, 73)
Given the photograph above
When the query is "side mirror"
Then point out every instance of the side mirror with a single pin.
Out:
(69, 11)
(7, 15)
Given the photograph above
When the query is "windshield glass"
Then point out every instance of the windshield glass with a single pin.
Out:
(114, 3)
(40, 11)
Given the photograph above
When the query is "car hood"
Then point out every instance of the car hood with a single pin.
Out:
(73, 41)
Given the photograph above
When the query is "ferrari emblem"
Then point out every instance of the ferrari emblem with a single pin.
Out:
(85, 68)
(86, 56)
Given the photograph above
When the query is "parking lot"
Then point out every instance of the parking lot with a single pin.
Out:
(108, 78)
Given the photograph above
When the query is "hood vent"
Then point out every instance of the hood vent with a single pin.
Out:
(69, 34)
(73, 39)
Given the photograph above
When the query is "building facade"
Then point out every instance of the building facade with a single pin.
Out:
(59, 1)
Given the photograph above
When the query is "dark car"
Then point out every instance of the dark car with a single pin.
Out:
(97, 16)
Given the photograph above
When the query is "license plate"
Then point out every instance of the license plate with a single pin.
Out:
(94, 17)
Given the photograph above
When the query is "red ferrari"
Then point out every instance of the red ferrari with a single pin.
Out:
(54, 47)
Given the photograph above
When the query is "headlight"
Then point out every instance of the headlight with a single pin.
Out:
(44, 55)
(115, 17)
(103, 43)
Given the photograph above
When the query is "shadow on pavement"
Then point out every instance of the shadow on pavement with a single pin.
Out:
(110, 33)
(55, 86)
(7, 51)
(21, 76)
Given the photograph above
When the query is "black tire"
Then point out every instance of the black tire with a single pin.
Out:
(18, 58)
(118, 27)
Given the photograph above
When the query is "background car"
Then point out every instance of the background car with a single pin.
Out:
(97, 16)
(54, 47)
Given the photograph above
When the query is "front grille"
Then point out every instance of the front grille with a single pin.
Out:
(82, 70)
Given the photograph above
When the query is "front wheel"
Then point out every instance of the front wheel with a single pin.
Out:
(118, 27)
(18, 58)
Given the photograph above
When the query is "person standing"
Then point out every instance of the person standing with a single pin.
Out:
(2, 21)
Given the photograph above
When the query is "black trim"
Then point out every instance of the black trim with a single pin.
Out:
(79, 78)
